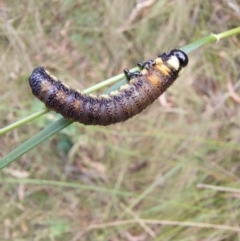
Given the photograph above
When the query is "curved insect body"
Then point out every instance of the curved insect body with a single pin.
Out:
(142, 89)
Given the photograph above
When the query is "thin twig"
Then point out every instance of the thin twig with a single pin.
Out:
(232, 92)
(164, 222)
(218, 188)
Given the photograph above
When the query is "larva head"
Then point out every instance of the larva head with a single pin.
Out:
(176, 58)
(181, 56)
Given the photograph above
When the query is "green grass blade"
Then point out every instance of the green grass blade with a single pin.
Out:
(22, 122)
(34, 141)
(104, 83)
(209, 39)
(197, 44)
(67, 185)
(62, 123)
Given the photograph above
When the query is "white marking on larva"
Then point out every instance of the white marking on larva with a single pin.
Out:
(124, 87)
(114, 93)
(132, 81)
(105, 96)
(79, 91)
(53, 77)
(144, 71)
(174, 62)
(158, 61)
(93, 96)
(67, 86)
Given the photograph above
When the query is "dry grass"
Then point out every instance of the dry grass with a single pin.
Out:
(166, 174)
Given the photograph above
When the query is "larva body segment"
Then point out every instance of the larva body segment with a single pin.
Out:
(142, 89)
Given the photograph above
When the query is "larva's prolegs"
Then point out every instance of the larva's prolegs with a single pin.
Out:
(140, 65)
(130, 75)
(147, 64)
(142, 89)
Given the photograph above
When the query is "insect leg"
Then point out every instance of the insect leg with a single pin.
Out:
(164, 56)
(148, 64)
(130, 75)
(140, 65)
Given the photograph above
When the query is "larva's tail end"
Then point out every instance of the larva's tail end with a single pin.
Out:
(37, 71)
(36, 78)
(37, 74)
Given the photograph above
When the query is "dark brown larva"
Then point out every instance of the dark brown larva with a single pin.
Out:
(143, 88)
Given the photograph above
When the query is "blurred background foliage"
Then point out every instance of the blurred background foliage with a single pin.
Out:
(178, 160)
